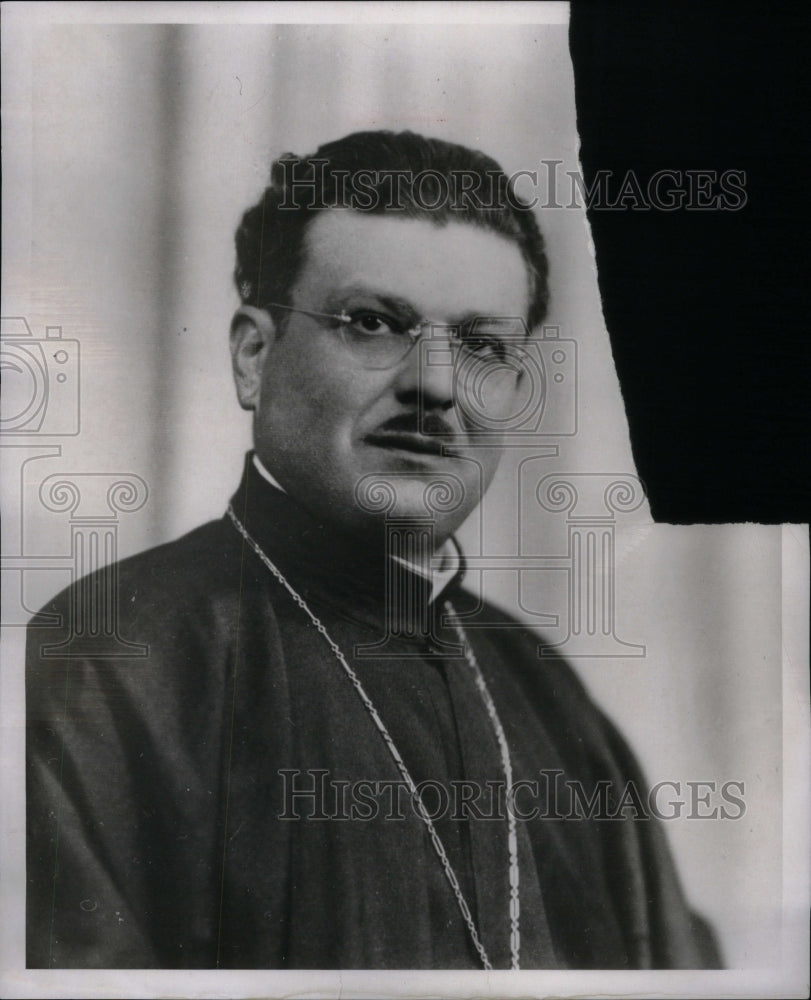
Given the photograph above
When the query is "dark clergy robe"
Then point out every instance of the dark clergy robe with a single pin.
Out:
(227, 801)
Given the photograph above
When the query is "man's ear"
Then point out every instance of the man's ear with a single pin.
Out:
(252, 332)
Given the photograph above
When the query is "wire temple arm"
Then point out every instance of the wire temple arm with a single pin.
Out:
(338, 317)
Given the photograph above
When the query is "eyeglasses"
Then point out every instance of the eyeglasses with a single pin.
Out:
(380, 340)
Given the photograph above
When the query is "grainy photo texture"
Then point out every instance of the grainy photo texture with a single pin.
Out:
(351, 645)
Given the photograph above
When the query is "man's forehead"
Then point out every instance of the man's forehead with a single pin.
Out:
(436, 268)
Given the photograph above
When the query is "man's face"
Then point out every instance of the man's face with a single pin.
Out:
(324, 422)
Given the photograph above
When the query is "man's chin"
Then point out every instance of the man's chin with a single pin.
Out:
(442, 495)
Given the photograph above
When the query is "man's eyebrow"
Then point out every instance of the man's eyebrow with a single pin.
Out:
(393, 302)
(338, 300)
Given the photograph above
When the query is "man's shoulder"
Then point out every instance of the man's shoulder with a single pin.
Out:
(145, 629)
(530, 663)
(207, 552)
(521, 643)
(176, 574)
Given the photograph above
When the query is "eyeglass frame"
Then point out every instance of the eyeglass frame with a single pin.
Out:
(414, 333)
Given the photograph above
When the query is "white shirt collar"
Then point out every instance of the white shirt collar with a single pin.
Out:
(449, 566)
(447, 553)
(263, 472)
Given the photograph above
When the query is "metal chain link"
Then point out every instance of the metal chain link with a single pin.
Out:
(439, 848)
(506, 763)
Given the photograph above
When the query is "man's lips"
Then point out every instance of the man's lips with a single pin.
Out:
(410, 442)
(429, 436)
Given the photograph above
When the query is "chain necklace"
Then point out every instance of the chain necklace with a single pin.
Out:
(470, 656)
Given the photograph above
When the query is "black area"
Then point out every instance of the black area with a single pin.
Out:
(707, 310)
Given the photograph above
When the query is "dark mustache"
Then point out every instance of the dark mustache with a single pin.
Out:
(418, 423)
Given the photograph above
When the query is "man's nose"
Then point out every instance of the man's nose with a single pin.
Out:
(428, 371)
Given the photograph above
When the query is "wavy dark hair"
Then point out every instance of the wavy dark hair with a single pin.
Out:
(379, 172)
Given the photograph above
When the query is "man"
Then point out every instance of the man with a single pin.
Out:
(317, 765)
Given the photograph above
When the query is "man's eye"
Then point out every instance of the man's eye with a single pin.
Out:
(488, 347)
(479, 341)
(373, 323)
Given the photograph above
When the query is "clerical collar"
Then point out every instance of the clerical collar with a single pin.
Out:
(447, 553)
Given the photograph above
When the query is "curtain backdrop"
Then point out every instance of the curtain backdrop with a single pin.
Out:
(147, 143)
